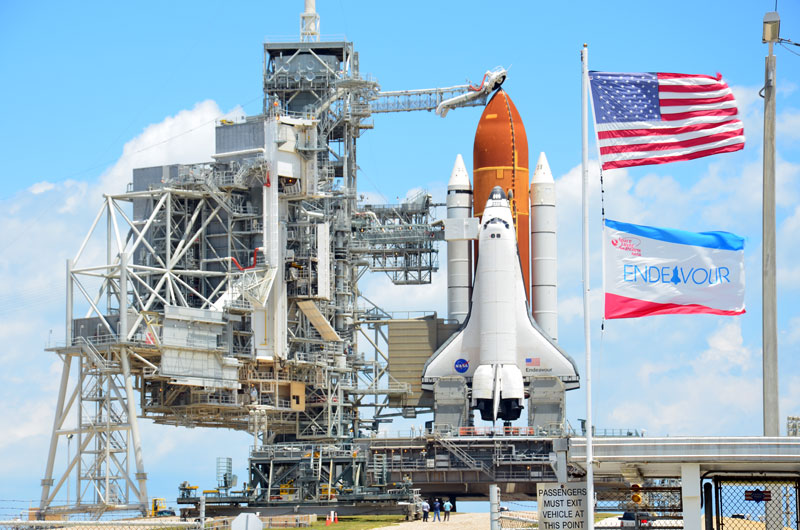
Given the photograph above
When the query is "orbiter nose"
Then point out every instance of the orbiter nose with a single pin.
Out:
(497, 194)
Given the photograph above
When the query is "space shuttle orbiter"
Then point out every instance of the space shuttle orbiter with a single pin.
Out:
(499, 348)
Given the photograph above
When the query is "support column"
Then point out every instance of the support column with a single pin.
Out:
(68, 320)
(130, 397)
(708, 505)
(690, 491)
(130, 401)
(47, 481)
(494, 507)
(123, 298)
(768, 282)
(773, 514)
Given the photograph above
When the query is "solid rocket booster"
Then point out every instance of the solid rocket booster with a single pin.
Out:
(544, 278)
(500, 158)
(459, 252)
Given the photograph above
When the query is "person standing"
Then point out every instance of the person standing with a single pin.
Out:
(426, 508)
(447, 507)
(437, 507)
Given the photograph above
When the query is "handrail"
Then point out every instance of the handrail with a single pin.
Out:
(463, 455)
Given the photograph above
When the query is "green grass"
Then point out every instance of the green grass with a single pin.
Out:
(360, 522)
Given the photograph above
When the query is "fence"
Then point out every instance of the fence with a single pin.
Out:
(100, 525)
(519, 519)
(743, 503)
(217, 523)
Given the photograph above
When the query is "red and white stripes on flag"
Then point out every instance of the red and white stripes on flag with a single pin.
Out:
(657, 118)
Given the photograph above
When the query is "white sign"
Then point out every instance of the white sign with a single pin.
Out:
(561, 506)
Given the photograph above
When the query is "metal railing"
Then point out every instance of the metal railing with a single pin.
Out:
(105, 525)
(554, 430)
(463, 456)
(213, 399)
(519, 520)
(305, 450)
(94, 355)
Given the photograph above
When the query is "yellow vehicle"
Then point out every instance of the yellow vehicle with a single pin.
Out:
(158, 508)
(157, 505)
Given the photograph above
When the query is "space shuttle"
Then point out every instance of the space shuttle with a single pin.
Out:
(499, 349)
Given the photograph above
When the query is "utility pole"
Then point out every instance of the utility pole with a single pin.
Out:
(771, 31)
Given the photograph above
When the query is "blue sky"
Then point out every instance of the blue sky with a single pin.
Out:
(93, 89)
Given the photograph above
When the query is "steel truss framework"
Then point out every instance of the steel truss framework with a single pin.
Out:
(166, 272)
(226, 294)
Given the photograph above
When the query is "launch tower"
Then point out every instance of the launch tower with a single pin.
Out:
(226, 294)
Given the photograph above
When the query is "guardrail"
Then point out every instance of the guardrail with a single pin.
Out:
(556, 430)
(105, 525)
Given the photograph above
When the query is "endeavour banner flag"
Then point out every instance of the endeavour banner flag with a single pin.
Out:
(657, 271)
(656, 118)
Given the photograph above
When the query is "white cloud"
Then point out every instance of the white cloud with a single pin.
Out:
(187, 137)
(371, 197)
(41, 187)
(74, 196)
(42, 227)
(786, 88)
(787, 250)
(789, 403)
(793, 335)
(688, 407)
(710, 397)
(569, 309)
(27, 419)
(652, 372)
(408, 301)
(649, 369)
(726, 350)
(787, 126)
(751, 112)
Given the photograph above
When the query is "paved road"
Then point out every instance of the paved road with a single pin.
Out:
(460, 521)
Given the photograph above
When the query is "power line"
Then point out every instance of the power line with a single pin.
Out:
(783, 45)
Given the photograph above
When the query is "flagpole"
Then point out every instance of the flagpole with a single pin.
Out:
(586, 315)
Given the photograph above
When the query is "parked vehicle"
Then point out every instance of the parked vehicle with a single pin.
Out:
(628, 520)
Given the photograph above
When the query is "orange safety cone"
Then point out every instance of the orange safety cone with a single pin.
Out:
(328, 520)
(335, 517)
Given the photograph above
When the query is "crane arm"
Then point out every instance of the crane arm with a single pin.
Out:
(439, 99)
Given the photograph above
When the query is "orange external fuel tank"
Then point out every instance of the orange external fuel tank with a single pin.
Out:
(500, 158)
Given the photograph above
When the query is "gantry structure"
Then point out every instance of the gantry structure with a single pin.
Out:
(225, 293)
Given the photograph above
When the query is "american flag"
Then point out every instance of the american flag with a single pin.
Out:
(656, 118)
(533, 361)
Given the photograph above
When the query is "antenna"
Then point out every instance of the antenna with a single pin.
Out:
(309, 23)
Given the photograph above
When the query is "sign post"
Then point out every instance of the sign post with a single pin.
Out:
(562, 506)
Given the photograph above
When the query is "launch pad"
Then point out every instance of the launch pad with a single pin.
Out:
(463, 465)
(225, 294)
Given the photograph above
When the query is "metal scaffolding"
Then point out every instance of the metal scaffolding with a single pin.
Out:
(225, 293)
